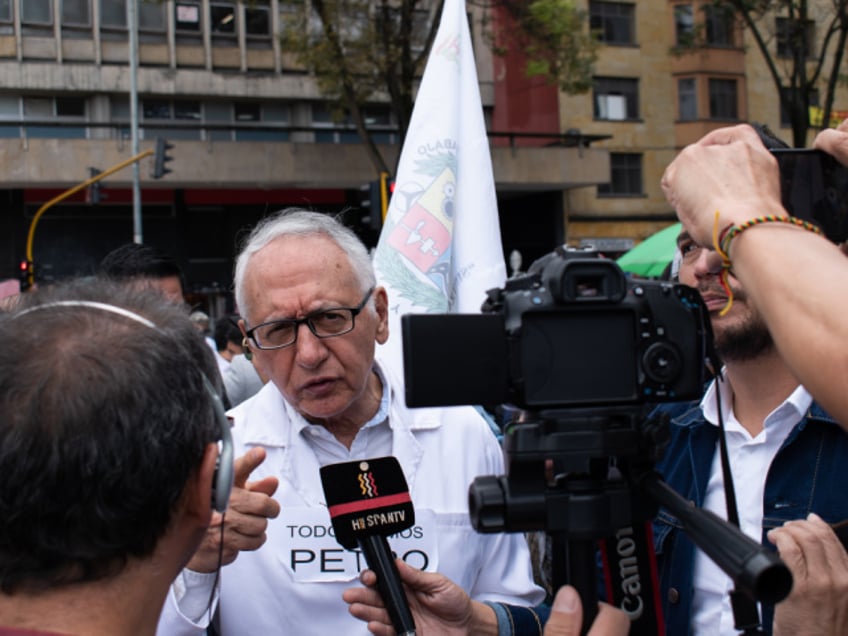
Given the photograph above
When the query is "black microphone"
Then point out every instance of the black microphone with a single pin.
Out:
(368, 501)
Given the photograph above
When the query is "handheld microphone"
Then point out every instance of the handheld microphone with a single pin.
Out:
(368, 501)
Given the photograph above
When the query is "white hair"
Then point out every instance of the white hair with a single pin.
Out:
(300, 222)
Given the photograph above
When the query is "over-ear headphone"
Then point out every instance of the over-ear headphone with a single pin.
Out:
(222, 482)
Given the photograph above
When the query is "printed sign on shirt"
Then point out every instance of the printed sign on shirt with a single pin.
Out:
(308, 548)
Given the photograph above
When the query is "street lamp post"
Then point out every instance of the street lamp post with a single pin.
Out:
(132, 27)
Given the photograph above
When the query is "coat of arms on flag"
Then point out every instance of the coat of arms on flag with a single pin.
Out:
(423, 233)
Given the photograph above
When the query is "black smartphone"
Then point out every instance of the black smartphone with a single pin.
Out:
(814, 187)
(841, 530)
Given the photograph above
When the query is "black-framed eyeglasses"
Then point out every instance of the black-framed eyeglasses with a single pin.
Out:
(327, 323)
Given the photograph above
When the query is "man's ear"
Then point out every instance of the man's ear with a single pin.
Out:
(381, 303)
(245, 341)
(198, 496)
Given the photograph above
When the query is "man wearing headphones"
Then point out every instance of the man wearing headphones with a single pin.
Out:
(109, 436)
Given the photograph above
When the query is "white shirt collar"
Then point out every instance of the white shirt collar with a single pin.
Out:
(785, 416)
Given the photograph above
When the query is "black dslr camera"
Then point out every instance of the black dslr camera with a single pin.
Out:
(573, 332)
(582, 353)
(814, 187)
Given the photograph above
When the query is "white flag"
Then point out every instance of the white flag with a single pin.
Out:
(440, 246)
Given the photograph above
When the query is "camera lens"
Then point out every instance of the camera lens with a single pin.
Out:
(661, 362)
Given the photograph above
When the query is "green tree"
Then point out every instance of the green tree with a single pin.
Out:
(550, 34)
(802, 43)
(363, 52)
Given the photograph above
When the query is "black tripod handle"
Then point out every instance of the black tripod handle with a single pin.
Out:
(755, 571)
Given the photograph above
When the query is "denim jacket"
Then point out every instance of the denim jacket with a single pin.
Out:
(807, 475)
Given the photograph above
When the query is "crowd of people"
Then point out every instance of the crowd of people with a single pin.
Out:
(125, 512)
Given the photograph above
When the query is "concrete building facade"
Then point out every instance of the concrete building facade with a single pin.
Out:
(252, 133)
(653, 99)
(250, 130)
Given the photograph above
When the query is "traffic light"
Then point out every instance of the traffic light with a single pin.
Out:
(92, 192)
(386, 187)
(375, 200)
(26, 273)
(161, 157)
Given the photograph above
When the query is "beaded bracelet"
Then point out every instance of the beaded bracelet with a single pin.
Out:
(732, 231)
(721, 244)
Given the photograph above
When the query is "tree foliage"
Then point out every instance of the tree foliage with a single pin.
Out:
(363, 51)
(366, 51)
(551, 35)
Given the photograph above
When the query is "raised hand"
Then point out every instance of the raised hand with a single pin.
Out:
(246, 518)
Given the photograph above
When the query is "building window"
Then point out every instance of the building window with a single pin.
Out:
(257, 21)
(792, 36)
(5, 10)
(36, 12)
(65, 111)
(247, 111)
(625, 175)
(70, 107)
(187, 15)
(185, 112)
(253, 114)
(687, 99)
(151, 15)
(615, 98)
(222, 18)
(76, 13)
(719, 26)
(378, 120)
(213, 121)
(723, 99)
(119, 112)
(220, 115)
(10, 111)
(684, 25)
(36, 17)
(613, 22)
(113, 13)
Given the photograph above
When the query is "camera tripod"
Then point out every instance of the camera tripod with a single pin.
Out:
(583, 475)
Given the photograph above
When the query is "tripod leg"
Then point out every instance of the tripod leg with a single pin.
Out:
(575, 562)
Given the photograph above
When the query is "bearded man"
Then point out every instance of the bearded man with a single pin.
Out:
(786, 458)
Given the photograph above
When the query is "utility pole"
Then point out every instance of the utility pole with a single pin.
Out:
(132, 27)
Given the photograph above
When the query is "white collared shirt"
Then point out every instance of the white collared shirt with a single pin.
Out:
(750, 459)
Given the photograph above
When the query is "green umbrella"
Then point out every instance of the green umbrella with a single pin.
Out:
(651, 256)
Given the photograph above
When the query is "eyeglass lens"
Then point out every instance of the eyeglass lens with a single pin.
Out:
(327, 323)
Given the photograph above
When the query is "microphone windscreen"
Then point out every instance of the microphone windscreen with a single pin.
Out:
(367, 497)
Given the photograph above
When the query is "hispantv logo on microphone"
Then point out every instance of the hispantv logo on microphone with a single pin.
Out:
(368, 486)
(366, 481)
(367, 497)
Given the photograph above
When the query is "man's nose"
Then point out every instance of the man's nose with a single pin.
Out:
(310, 349)
(708, 264)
